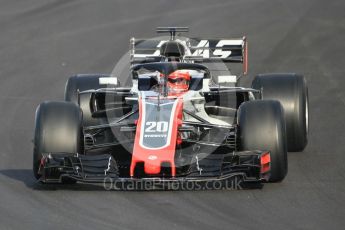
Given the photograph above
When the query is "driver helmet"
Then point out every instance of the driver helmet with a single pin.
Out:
(178, 82)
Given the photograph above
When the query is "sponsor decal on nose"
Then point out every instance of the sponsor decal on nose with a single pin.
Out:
(152, 157)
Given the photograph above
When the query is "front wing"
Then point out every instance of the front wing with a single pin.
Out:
(251, 166)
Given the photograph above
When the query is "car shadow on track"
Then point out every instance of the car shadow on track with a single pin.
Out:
(26, 177)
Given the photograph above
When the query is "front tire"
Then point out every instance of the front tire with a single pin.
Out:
(57, 130)
(262, 127)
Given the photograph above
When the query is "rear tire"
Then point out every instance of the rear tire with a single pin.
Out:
(81, 83)
(262, 127)
(292, 92)
(57, 130)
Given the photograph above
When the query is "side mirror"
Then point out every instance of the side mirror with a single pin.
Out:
(108, 81)
(224, 79)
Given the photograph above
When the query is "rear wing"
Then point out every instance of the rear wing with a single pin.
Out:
(196, 50)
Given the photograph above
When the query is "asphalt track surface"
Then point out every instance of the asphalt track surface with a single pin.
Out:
(44, 42)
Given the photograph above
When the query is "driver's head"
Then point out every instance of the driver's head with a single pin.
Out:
(178, 82)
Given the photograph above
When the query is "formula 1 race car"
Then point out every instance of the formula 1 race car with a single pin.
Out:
(177, 121)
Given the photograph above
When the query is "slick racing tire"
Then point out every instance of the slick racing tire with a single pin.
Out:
(292, 92)
(262, 127)
(81, 83)
(57, 130)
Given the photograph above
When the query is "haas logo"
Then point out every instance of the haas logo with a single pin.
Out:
(205, 53)
(216, 49)
(152, 157)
